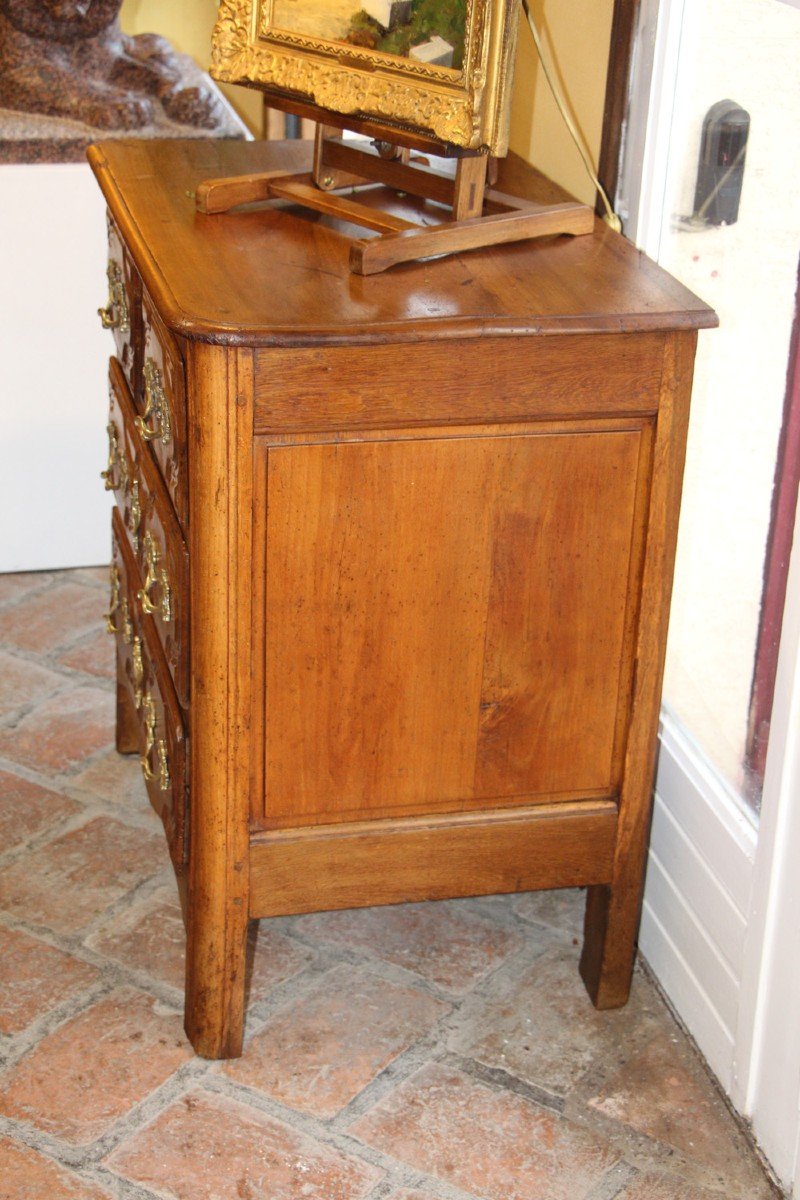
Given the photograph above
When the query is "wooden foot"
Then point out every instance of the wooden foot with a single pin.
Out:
(216, 972)
(609, 946)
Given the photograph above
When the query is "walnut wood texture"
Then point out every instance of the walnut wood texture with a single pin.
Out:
(280, 276)
(509, 379)
(613, 911)
(431, 528)
(369, 257)
(448, 620)
(386, 862)
(220, 488)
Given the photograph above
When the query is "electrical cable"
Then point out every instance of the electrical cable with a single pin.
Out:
(610, 216)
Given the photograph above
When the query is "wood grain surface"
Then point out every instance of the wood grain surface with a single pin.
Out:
(613, 911)
(431, 528)
(447, 620)
(220, 488)
(498, 379)
(277, 275)
(565, 845)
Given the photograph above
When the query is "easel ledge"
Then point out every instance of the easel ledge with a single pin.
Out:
(482, 216)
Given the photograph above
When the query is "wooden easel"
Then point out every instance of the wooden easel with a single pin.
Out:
(481, 216)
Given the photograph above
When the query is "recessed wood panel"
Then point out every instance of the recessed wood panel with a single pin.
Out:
(445, 621)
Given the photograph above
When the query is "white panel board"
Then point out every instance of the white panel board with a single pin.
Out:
(697, 896)
(53, 510)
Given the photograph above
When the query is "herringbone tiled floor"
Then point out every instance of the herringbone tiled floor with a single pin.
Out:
(424, 1052)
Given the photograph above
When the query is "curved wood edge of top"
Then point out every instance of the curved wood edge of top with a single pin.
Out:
(696, 315)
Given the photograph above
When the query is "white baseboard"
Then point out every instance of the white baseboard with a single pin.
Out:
(697, 895)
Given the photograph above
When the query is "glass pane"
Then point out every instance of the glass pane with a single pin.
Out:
(745, 264)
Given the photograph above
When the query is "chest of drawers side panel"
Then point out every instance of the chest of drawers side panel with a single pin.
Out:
(613, 910)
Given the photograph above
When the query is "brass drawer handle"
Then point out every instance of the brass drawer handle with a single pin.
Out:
(115, 315)
(135, 513)
(117, 466)
(107, 476)
(161, 774)
(137, 663)
(119, 605)
(155, 577)
(114, 602)
(156, 408)
(127, 626)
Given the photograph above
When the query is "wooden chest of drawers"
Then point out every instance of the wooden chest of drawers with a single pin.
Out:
(392, 561)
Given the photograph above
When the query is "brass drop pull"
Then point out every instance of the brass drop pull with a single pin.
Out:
(113, 607)
(115, 315)
(135, 513)
(137, 664)
(119, 605)
(154, 424)
(113, 457)
(161, 773)
(127, 625)
(155, 578)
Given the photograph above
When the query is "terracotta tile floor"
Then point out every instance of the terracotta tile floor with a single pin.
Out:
(425, 1052)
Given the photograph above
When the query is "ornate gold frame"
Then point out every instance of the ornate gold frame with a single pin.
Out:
(466, 108)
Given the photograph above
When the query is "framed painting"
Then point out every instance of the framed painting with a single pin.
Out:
(442, 68)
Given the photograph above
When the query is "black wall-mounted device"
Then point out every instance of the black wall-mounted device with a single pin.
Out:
(720, 172)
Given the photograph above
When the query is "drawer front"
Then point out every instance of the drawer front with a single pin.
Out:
(122, 476)
(161, 422)
(162, 736)
(153, 532)
(122, 311)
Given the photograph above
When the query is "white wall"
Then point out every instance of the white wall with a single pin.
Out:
(53, 510)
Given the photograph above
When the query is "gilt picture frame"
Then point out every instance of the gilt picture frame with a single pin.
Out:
(442, 68)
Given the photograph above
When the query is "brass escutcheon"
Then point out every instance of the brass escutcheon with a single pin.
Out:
(155, 577)
(113, 606)
(137, 664)
(161, 775)
(127, 624)
(115, 315)
(135, 513)
(156, 408)
(116, 473)
(113, 457)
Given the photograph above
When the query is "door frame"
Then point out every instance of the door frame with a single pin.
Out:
(765, 1083)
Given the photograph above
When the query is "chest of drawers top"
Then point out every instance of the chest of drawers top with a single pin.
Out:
(274, 276)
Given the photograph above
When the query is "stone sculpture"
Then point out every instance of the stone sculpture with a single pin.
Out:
(70, 59)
